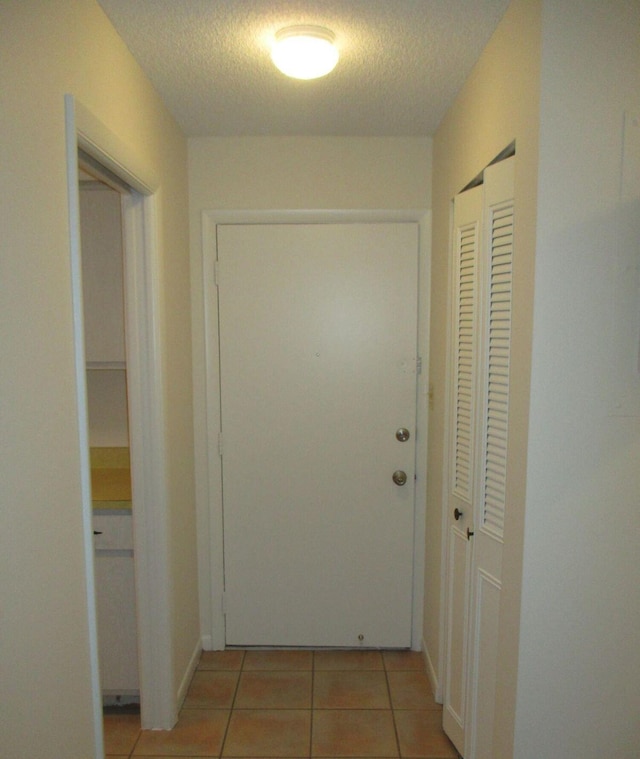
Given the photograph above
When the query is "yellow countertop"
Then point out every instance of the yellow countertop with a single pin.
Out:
(110, 478)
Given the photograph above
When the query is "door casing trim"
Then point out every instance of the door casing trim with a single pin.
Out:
(146, 413)
(207, 403)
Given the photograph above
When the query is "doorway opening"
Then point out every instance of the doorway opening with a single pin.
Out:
(109, 445)
(214, 558)
(106, 157)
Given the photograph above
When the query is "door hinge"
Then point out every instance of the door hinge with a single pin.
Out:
(223, 603)
(216, 273)
(419, 365)
(220, 444)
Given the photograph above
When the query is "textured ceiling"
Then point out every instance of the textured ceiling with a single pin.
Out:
(401, 62)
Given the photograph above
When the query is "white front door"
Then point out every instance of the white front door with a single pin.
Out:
(318, 336)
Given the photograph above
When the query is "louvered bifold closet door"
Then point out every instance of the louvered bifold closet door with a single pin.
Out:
(498, 344)
(495, 295)
(467, 252)
(461, 458)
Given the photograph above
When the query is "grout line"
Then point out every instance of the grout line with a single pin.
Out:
(313, 682)
(313, 709)
(135, 743)
(393, 711)
(233, 703)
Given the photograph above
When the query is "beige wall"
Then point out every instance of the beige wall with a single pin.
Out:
(50, 48)
(579, 690)
(309, 172)
(558, 77)
(498, 104)
(285, 173)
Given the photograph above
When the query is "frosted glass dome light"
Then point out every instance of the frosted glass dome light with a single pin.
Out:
(305, 52)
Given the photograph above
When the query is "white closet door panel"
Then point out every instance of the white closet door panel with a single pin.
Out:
(455, 702)
(491, 466)
(484, 654)
(467, 236)
(498, 343)
(478, 453)
(467, 242)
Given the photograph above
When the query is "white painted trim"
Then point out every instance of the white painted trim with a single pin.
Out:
(210, 518)
(432, 675)
(144, 365)
(444, 532)
(147, 440)
(83, 420)
(212, 561)
(422, 429)
(102, 144)
(194, 659)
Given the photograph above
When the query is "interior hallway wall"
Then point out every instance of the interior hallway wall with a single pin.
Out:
(579, 689)
(262, 173)
(498, 104)
(49, 48)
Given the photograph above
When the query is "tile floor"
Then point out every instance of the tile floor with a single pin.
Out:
(296, 704)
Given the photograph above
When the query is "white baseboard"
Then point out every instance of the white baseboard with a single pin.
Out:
(188, 675)
(431, 674)
(207, 643)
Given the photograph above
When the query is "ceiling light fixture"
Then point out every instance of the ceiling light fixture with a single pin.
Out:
(305, 52)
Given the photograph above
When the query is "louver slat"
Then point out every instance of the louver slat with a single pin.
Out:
(499, 341)
(466, 253)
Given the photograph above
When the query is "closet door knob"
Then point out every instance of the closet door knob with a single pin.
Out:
(457, 513)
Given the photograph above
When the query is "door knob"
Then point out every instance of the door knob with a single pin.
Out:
(399, 477)
(457, 513)
(403, 434)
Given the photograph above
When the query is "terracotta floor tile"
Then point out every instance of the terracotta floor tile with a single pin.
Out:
(211, 690)
(411, 690)
(231, 659)
(274, 690)
(271, 694)
(278, 660)
(199, 732)
(351, 733)
(421, 735)
(268, 733)
(403, 660)
(350, 690)
(120, 732)
(347, 660)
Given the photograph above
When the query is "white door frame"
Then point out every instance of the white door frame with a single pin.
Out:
(210, 519)
(145, 389)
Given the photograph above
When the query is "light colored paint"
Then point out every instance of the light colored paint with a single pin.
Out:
(578, 691)
(498, 104)
(567, 682)
(48, 50)
(309, 172)
(400, 65)
(361, 174)
(318, 340)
